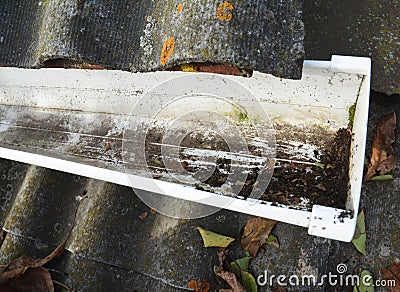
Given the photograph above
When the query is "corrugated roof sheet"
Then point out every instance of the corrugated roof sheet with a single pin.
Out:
(368, 28)
(150, 35)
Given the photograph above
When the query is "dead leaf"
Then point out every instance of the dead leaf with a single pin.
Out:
(222, 253)
(393, 274)
(255, 234)
(230, 278)
(199, 286)
(107, 147)
(143, 215)
(212, 239)
(383, 158)
(206, 286)
(34, 279)
(248, 282)
(366, 283)
(28, 274)
(360, 236)
(19, 266)
(383, 177)
(240, 265)
(194, 285)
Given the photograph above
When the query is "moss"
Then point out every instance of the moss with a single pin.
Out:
(352, 111)
(239, 115)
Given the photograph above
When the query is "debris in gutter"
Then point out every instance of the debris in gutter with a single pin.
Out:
(107, 147)
(297, 181)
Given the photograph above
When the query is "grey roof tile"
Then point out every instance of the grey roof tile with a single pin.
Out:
(369, 28)
(262, 35)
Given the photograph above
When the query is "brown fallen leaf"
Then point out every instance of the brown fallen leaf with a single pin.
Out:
(19, 266)
(231, 279)
(28, 274)
(255, 234)
(383, 158)
(107, 147)
(34, 279)
(393, 274)
(222, 253)
(199, 286)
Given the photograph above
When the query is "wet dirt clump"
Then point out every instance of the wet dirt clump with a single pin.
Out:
(325, 184)
(293, 183)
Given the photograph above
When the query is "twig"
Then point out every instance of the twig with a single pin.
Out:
(63, 285)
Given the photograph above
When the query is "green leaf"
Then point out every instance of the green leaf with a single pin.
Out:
(273, 240)
(248, 282)
(383, 177)
(320, 165)
(212, 239)
(241, 265)
(360, 237)
(366, 283)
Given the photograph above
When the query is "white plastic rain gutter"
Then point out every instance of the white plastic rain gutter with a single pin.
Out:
(324, 95)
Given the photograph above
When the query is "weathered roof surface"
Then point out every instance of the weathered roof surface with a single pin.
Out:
(111, 249)
(150, 35)
(359, 28)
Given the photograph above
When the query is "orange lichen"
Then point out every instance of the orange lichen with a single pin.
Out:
(167, 50)
(180, 7)
(224, 11)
